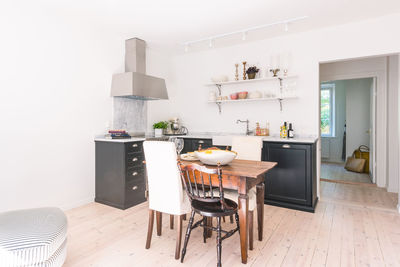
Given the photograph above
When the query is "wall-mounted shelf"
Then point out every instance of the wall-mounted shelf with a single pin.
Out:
(252, 99)
(254, 80)
(279, 79)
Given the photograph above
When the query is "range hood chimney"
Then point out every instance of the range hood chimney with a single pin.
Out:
(134, 83)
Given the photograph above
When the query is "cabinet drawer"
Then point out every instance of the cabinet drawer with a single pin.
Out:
(133, 147)
(135, 193)
(135, 173)
(134, 159)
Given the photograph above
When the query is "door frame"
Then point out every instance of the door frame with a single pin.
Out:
(379, 123)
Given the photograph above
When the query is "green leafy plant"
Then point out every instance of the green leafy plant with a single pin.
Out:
(160, 125)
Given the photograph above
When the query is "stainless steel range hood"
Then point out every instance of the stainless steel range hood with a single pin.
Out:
(134, 83)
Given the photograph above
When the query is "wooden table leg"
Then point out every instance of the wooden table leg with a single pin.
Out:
(260, 210)
(243, 221)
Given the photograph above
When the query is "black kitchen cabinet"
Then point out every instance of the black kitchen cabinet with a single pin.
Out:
(292, 183)
(120, 174)
(192, 144)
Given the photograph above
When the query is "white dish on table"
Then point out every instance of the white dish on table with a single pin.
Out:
(213, 156)
(189, 157)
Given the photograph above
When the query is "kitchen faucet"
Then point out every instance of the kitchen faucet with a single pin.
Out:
(248, 132)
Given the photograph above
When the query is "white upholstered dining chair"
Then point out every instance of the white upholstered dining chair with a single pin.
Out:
(247, 148)
(166, 194)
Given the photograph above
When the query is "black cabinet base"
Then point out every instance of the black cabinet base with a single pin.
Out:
(291, 205)
(112, 204)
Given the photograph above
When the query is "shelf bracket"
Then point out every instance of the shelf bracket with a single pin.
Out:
(219, 107)
(280, 103)
(219, 89)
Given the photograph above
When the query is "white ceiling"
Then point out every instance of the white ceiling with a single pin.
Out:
(171, 22)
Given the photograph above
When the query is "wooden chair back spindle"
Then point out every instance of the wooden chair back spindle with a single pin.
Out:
(195, 186)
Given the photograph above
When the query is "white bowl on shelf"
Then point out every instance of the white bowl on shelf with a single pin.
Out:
(219, 79)
(213, 157)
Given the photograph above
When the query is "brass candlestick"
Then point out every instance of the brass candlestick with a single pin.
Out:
(244, 70)
(237, 72)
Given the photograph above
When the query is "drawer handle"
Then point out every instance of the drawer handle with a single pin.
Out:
(134, 159)
(201, 142)
(134, 145)
(135, 187)
(134, 173)
(286, 146)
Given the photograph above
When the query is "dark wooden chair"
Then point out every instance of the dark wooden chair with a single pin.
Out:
(199, 182)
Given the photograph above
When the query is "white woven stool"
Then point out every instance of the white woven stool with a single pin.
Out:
(34, 237)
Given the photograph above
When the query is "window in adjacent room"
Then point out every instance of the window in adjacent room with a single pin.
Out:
(327, 110)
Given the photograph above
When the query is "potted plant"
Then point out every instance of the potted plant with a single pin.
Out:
(251, 72)
(159, 127)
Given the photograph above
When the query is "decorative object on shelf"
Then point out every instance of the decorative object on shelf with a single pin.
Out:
(234, 96)
(251, 72)
(242, 95)
(159, 127)
(285, 72)
(254, 95)
(244, 70)
(275, 72)
(237, 72)
(219, 79)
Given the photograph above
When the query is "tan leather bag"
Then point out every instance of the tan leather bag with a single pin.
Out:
(354, 164)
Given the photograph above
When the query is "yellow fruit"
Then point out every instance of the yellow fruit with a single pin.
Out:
(208, 152)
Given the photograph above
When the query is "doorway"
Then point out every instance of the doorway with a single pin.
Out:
(347, 127)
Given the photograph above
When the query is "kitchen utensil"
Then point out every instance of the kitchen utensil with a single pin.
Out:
(219, 78)
(189, 157)
(255, 94)
(213, 156)
(234, 96)
(242, 95)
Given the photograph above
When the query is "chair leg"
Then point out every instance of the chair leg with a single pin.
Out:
(159, 222)
(184, 217)
(179, 237)
(223, 218)
(231, 218)
(150, 228)
(209, 223)
(219, 246)
(204, 229)
(171, 221)
(251, 234)
(189, 229)
(237, 221)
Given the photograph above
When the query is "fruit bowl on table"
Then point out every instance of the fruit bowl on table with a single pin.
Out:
(215, 156)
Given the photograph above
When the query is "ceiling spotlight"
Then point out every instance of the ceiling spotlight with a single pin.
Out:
(286, 27)
(244, 36)
(186, 48)
(210, 44)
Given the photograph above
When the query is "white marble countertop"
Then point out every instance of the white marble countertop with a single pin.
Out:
(132, 139)
(209, 135)
(298, 139)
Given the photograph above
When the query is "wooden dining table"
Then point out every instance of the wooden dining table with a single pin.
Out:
(242, 175)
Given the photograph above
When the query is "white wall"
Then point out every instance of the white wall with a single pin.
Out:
(55, 97)
(188, 95)
(393, 117)
(358, 93)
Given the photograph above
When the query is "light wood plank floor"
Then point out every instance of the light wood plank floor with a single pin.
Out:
(336, 171)
(347, 229)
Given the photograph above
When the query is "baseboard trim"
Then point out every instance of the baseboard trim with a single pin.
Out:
(346, 182)
(78, 203)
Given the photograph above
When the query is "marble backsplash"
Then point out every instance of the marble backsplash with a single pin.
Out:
(129, 114)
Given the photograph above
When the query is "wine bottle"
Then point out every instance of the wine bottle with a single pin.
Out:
(290, 131)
